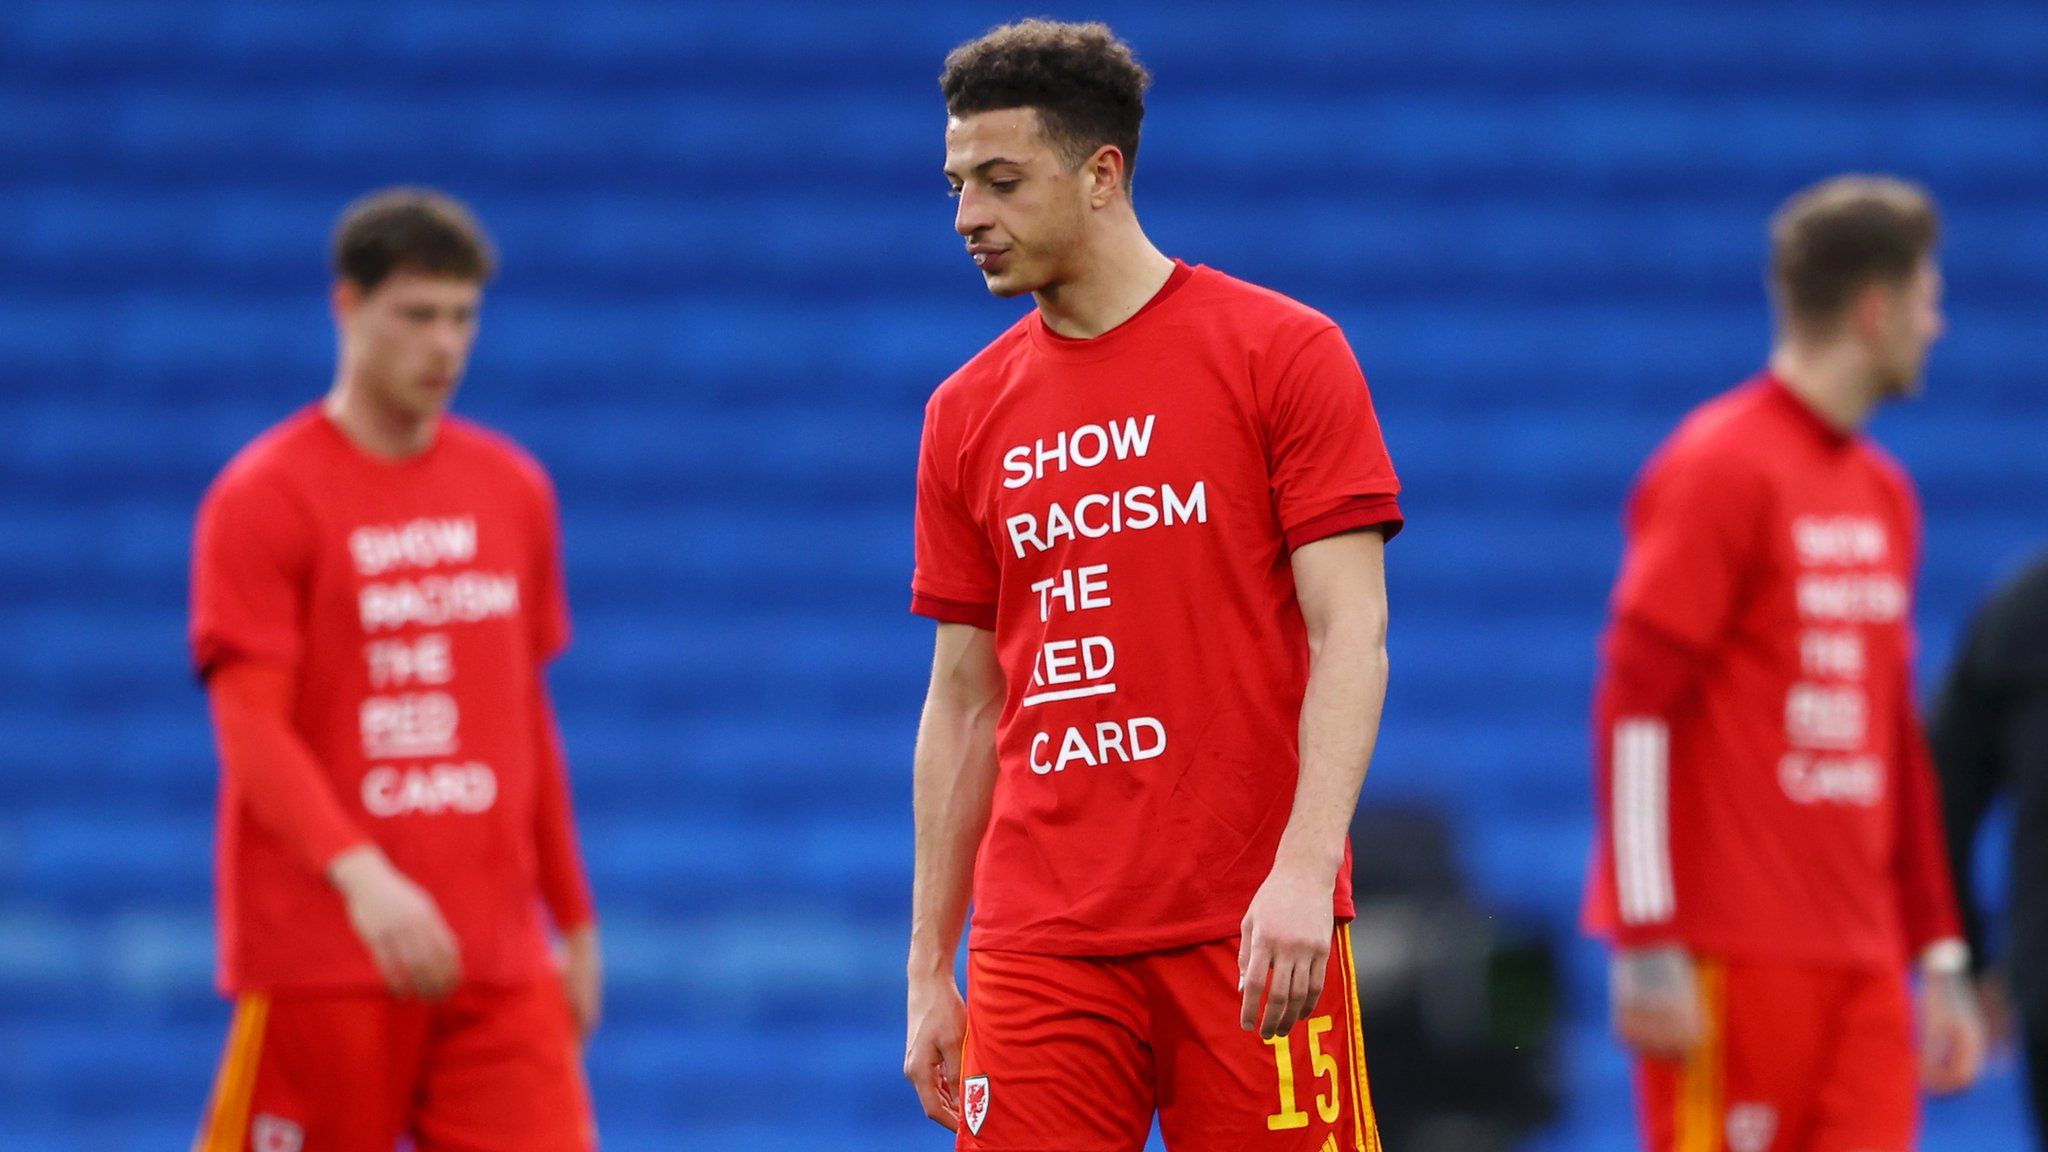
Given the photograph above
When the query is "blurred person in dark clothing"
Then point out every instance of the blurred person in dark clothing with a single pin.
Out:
(1990, 737)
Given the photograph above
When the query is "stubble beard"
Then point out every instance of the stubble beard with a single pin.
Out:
(412, 401)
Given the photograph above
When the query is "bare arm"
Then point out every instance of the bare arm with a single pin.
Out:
(954, 783)
(1341, 584)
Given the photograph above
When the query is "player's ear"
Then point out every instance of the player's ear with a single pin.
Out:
(343, 301)
(1105, 172)
(1870, 313)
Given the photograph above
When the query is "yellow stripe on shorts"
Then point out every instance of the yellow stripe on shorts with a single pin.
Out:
(227, 1120)
(1365, 1126)
(1700, 1086)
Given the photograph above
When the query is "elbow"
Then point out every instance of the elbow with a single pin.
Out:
(965, 705)
(1361, 633)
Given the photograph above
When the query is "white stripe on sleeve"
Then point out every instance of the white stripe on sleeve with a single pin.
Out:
(1642, 819)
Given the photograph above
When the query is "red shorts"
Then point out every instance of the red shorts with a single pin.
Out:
(1795, 1058)
(1075, 1054)
(487, 1068)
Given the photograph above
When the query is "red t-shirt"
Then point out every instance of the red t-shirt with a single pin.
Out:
(1782, 805)
(415, 603)
(1120, 512)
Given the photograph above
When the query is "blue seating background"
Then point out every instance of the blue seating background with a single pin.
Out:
(729, 282)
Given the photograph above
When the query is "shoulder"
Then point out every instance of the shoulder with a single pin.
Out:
(2029, 587)
(1727, 438)
(270, 468)
(1257, 315)
(975, 384)
(494, 451)
(2009, 637)
(1722, 459)
(1890, 472)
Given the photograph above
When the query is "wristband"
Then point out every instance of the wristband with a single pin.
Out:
(1949, 957)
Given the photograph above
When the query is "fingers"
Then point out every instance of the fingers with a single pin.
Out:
(1304, 990)
(926, 1073)
(1938, 1070)
(389, 967)
(1281, 985)
(1664, 1031)
(1655, 1034)
(1952, 1035)
(436, 967)
(925, 1081)
(1645, 1033)
(949, 1072)
(1277, 1002)
(425, 958)
(415, 967)
(443, 956)
(1940, 1062)
(447, 956)
(1951, 1054)
(1252, 978)
(1656, 1001)
(932, 1054)
(405, 934)
(1318, 971)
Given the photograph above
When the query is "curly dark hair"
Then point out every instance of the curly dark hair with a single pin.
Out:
(1086, 86)
(415, 228)
(1832, 240)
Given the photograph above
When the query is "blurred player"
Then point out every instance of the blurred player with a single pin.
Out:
(1990, 737)
(1150, 522)
(1771, 857)
(376, 587)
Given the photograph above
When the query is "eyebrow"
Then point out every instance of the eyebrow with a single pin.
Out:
(985, 165)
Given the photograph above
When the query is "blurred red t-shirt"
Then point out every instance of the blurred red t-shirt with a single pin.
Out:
(414, 603)
(1784, 806)
(1120, 512)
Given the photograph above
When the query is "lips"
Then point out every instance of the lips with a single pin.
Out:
(986, 257)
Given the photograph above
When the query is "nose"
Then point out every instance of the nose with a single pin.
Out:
(971, 216)
(451, 338)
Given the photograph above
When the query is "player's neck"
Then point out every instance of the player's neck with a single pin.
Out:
(377, 429)
(1116, 278)
(1832, 379)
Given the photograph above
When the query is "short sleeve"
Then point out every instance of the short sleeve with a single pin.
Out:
(550, 618)
(1693, 529)
(1328, 464)
(956, 577)
(251, 560)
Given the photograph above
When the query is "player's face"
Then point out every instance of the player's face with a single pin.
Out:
(1021, 209)
(409, 339)
(1912, 323)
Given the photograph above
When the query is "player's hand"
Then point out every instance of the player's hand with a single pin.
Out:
(1951, 1032)
(399, 923)
(1656, 1000)
(931, 1056)
(583, 978)
(1283, 952)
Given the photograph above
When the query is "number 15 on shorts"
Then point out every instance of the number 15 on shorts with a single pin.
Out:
(1322, 1068)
